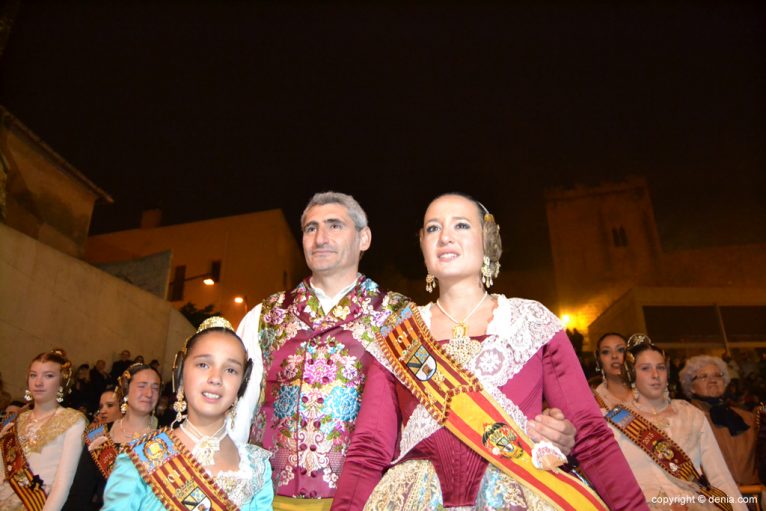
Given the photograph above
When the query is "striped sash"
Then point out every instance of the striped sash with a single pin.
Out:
(27, 486)
(600, 400)
(664, 452)
(456, 400)
(176, 478)
(101, 447)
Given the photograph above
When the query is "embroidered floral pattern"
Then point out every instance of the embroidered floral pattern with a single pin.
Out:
(315, 380)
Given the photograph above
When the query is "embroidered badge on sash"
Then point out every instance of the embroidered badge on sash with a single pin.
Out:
(422, 364)
(501, 440)
(457, 401)
(175, 476)
(665, 453)
(102, 449)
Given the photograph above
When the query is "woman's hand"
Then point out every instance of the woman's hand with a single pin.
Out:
(551, 425)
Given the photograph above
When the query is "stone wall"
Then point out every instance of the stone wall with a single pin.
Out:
(50, 299)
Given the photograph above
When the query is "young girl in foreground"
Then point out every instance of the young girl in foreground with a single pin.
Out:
(197, 466)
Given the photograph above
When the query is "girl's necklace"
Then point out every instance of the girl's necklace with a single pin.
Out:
(205, 446)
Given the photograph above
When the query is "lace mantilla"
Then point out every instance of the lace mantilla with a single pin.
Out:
(35, 436)
(243, 484)
(519, 328)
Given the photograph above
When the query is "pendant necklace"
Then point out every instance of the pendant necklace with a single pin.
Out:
(205, 446)
(460, 346)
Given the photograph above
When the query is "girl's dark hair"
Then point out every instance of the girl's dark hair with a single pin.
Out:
(609, 334)
(212, 324)
(624, 370)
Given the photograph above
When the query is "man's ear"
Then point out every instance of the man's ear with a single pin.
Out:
(365, 238)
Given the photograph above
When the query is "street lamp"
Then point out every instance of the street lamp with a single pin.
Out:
(239, 300)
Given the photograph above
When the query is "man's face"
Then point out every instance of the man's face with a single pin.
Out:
(331, 243)
(125, 355)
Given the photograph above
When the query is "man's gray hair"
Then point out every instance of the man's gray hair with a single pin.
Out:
(693, 366)
(355, 211)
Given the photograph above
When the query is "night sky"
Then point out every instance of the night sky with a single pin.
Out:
(206, 109)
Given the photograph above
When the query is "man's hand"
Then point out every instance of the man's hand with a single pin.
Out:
(551, 425)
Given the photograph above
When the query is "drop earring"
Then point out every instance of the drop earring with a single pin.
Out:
(124, 405)
(27, 395)
(233, 412)
(180, 405)
(60, 394)
(430, 283)
(486, 272)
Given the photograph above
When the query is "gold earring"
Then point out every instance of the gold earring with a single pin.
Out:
(27, 395)
(180, 405)
(60, 394)
(233, 411)
(124, 405)
(486, 272)
(430, 283)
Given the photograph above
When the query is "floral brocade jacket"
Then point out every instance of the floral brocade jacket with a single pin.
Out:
(314, 373)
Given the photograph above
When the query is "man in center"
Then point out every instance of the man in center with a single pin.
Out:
(313, 341)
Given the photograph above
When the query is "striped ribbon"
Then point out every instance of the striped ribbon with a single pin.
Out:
(175, 476)
(667, 454)
(27, 486)
(456, 400)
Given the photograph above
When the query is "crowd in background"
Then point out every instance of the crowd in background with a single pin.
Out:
(746, 368)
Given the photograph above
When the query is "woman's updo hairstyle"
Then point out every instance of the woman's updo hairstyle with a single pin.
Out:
(123, 381)
(637, 344)
(58, 356)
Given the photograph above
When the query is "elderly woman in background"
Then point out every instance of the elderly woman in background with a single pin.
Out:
(704, 380)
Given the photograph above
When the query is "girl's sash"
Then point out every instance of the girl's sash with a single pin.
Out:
(599, 400)
(456, 400)
(664, 452)
(27, 486)
(175, 477)
(101, 447)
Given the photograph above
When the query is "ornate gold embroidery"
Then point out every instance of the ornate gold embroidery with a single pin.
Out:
(410, 486)
(35, 437)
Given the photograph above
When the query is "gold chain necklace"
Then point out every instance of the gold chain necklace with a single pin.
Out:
(660, 421)
(136, 434)
(460, 346)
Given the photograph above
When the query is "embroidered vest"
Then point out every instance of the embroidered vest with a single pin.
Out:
(315, 372)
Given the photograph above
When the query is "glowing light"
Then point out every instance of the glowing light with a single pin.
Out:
(239, 299)
(566, 319)
(208, 281)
